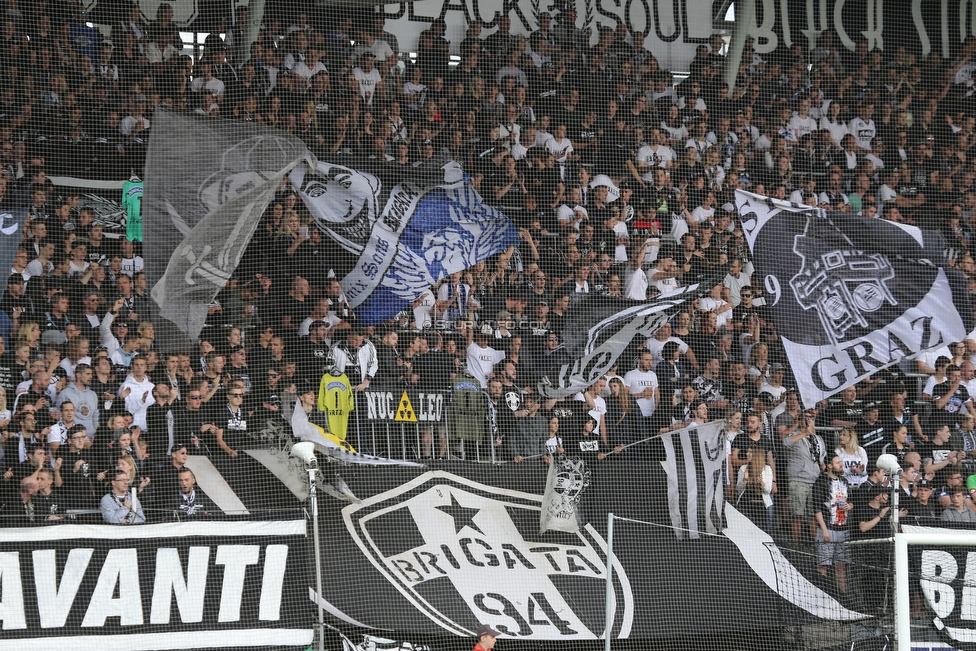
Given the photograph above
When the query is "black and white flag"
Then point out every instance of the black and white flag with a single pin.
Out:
(565, 483)
(599, 330)
(850, 295)
(695, 463)
(388, 235)
(208, 184)
(11, 230)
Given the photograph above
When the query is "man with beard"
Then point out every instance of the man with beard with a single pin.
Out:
(709, 385)
(831, 504)
(164, 421)
(191, 501)
(643, 386)
(739, 390)
(16, 447)
(83, 398)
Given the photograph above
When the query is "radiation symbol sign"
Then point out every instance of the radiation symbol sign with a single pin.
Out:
(405, 413)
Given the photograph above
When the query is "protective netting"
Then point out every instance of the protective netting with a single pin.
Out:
(544, 283)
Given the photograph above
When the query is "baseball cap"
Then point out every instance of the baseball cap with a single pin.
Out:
(484, 629)
(871, 405)
(776, 367)
(503, 315)
(924, 483)
(767, 398)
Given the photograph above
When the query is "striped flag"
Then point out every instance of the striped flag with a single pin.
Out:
(695, 464)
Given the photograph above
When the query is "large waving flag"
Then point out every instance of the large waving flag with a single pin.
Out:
(850, 295)
(389, 234)
(600, 329)
(402, 234)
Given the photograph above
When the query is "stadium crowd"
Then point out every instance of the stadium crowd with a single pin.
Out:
(620, 177)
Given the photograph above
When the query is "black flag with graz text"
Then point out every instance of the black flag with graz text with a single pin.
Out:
(850, 295)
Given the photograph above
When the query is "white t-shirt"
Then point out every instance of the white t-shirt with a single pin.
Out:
(132, 266)
(561, 149)
(863, 132)
(656, 346)
(367, 82)
(422, 317)
(565, 214)
(656, 156)
(620, 249)
(802, 126)
(638, 381)
(929, 356)
(481, 362)
(635, 285)
(128, 123)
(735, 286)
(597, 413)
(331, 321)
(666, 285)
(709, 304)
(701, 214)
(886, 193)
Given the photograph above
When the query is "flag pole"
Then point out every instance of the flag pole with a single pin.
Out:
(608, 615)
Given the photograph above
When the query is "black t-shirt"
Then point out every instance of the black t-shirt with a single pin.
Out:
(743, 314)
(864, 512)
(959, 398)
(871, 436)
(743, 444)
(9, 373)
(841, 411)
(740, 395)
(193, 419)
(932, 510)
(931, 450)
(576, 444)
(829, 497)
(297, 310)
(434, 368)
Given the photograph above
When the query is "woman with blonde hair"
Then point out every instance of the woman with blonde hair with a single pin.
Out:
(147, 336)
(30, 333)
(76, 352)
(753, 489)
(855, 457)
(127, 465)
